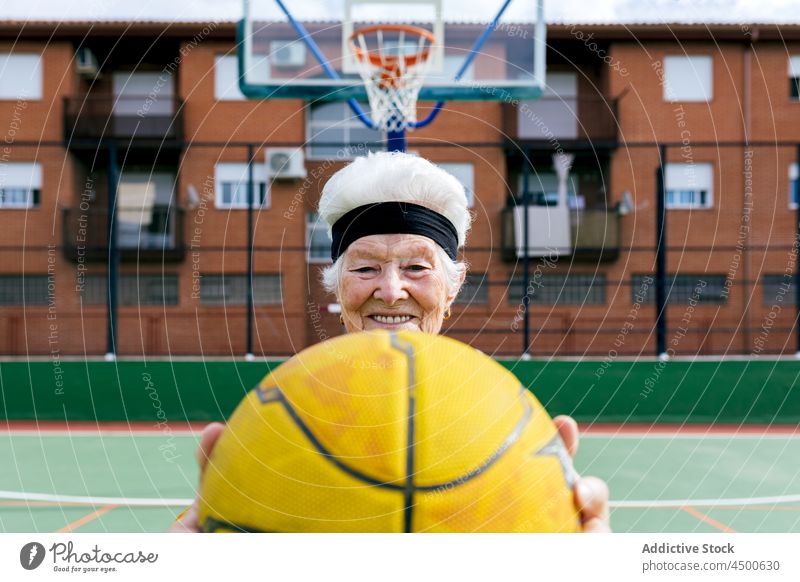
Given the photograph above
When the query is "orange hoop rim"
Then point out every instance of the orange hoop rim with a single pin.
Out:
(389, 62)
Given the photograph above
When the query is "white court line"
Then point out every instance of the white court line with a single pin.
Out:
(123, 501)
(172, 502)
(650, 503)
(97, 433)
(689, 436)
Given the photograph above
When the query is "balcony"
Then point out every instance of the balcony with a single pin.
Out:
(96, 117)
(143, 235)
(587, 236)
(567, 120)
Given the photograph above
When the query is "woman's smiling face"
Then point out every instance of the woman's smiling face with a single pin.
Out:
(393, 281)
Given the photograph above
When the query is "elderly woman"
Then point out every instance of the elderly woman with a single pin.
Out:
(397, 222)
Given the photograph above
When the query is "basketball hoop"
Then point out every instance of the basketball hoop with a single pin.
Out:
(393, 81)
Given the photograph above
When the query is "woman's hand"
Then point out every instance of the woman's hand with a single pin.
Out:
(591, 493)
(188, 521)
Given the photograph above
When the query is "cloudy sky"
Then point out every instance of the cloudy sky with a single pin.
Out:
(627, 11)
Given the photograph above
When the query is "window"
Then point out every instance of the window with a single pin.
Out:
(474, 291)
(464, 172)
(794, 184)
(688, 78)
(23, 289)
(689, 185)
(231, 185)
(778, 289)
(543, 187)
(333, 131)
(226, 78)
(146, 219)
(20, 76)
(20, 185)
(232, 289)
(794, 78)
(704, 288)
(141, 289)
(318, 241)
(572, 289)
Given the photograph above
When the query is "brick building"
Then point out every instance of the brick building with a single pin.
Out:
(152, 111)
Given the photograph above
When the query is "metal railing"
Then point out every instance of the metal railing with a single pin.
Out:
(112, 117)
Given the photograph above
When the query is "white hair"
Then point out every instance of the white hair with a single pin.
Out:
(396, 177)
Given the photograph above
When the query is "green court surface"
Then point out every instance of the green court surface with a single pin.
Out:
(665, 482)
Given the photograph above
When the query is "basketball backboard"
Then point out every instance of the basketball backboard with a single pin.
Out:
(485, 50)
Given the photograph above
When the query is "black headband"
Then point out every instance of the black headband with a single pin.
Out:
(393, 218)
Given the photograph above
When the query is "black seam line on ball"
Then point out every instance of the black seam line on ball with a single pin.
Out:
(269, 395)
(408, 350)
(274, 394)
(512, 437)
(212, 524)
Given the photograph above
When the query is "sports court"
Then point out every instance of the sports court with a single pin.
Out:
(698, 479)
(594, 237)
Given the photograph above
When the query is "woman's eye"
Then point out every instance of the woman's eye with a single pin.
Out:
(417, 267)
(363, 270)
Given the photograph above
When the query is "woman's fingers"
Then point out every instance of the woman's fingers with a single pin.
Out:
(208, 438)
(186, 522)
(568, 430)
(591, 497)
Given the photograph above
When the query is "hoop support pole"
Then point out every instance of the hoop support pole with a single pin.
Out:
(330, 71)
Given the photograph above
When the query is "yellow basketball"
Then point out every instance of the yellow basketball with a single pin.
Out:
(389, 432)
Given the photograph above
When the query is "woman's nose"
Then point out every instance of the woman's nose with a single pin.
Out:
(391, 286)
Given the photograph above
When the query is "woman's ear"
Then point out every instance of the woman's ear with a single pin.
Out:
(461, 278)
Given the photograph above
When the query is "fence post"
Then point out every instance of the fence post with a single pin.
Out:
(112, 295)
(250, 196)
(661, 253)
(526, 201)
(795, 245)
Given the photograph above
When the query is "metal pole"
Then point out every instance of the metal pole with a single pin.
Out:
(250, 196)
(797, 257)
(112, 298)
(661, 254)
(396, 141)
(526, 202)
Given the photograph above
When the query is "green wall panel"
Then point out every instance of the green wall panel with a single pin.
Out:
(756, 391)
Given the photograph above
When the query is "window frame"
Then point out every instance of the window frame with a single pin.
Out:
(709, 190)
(794, 185)
(38, 83)
(229, 94)
(668, 93)
(260, 181)
(794, 78)
(468, 188)
(312, 221)
(33, 189)
(315, 127)
(599, 284)
(225, 302)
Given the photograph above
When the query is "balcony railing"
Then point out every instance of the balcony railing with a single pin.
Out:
(572, 118)
(594, 235)
(106, 116)
(145, 235)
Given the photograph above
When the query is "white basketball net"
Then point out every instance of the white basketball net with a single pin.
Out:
(393, 81)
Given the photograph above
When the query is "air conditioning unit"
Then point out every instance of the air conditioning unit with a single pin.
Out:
(285, 163)
(287, 53)
(86, 62)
